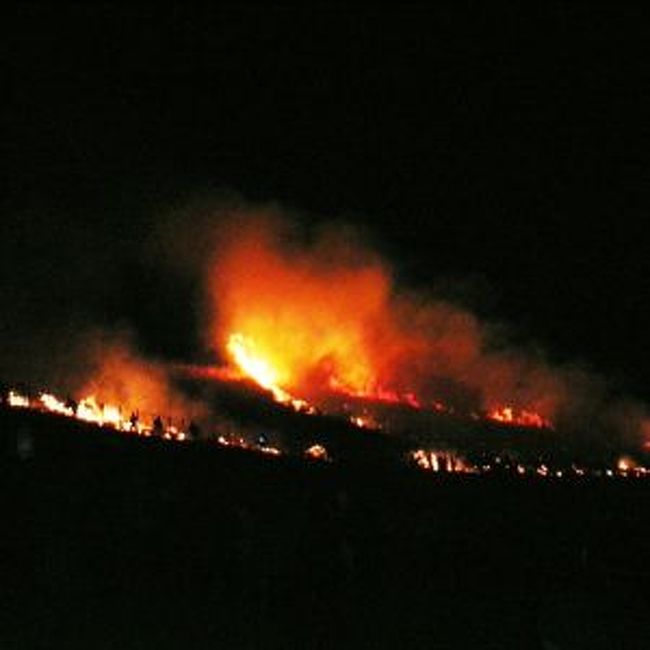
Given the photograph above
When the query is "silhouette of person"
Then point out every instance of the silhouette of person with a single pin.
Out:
(194, 430)
(158, 428)
(71, 404)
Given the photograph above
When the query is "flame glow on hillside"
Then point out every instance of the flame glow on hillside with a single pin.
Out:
(324, 318)
(89, 409)
(111, 418)
(120, 376)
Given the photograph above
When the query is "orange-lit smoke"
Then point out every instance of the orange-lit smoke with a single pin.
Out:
(124, 380)
(324, 316)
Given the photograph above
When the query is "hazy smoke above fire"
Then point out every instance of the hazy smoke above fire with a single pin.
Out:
(116, 374)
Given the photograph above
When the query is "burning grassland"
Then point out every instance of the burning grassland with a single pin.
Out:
(116, 387)
(120, 376)
(337, 442)
(308, 331)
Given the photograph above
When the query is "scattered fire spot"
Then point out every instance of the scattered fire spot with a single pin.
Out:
(317, 452)
(522, 418)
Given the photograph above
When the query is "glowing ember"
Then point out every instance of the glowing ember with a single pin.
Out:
(270, 451)
(624, 464)
(317, 452)
(240, 442)
(523, 418)
(426, 460)
(378, 393)
(628, 466)
(438, 461)
(364, 422)
(17, 400)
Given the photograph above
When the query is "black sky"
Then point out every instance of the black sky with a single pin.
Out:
(503, 151)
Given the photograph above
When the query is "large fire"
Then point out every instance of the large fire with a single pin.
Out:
(319, 324)
(324, 319)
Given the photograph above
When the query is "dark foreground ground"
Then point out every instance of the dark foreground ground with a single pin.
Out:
(113, 542)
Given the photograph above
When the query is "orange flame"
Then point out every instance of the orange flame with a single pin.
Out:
(523, 418)
(321, 319)
(242, 351)
(441, 461)
(123, 384)
(290, 325)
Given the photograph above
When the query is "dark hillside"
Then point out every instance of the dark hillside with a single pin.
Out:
(114, 542)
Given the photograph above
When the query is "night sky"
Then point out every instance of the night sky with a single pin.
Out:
(497, 156)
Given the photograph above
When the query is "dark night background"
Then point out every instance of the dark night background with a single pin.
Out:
(499, 155)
